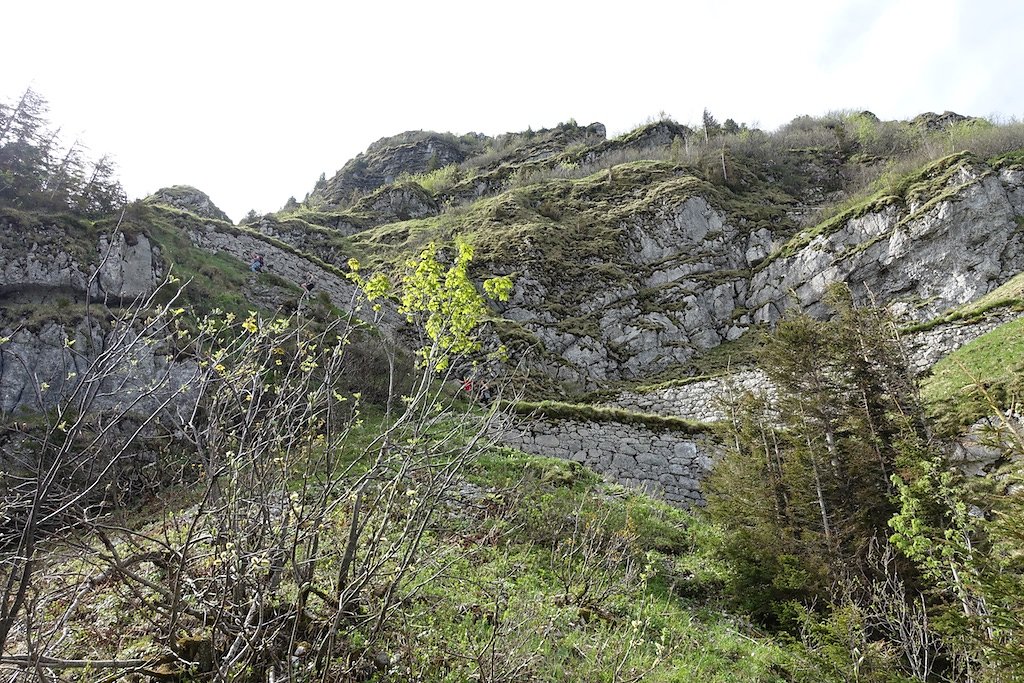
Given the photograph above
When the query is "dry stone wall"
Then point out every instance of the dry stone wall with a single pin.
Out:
(924, 349)
(664, 463)
(699, 401)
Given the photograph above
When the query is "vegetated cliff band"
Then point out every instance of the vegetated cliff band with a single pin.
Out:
(641, 255)
(638, 255)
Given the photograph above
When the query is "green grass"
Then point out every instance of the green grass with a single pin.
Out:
(988, 370)
(516, 567)
(215, 280)
(1008, 159)
(545, 574)
(435, 182)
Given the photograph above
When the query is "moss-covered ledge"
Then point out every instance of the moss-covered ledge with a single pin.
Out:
(557, 410)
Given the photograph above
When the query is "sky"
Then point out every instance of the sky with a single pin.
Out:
(252, 101)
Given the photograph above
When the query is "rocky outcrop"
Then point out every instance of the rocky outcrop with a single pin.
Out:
(385, 161)
(921, 259)
(323, 243)
(288, 265)
(129, 266)
(536, 147)
(396, 203)
(658, 134)
(682, 291)
(188, 198)
(935, 122)
(90, 365)
(62, 259)
(692, 275)
(664, 463)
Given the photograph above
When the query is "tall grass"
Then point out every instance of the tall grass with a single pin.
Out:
(437, 181)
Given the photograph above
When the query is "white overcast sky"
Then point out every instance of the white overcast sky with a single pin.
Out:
(251, 101)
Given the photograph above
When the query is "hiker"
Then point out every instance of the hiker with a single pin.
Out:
(486, 395)
(257, 263)
(307, 286)
(467, 385)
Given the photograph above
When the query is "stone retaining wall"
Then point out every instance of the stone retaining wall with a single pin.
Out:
(665, 463)
(924, 349)
(699, 401)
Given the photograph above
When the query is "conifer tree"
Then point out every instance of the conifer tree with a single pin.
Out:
(804, 487)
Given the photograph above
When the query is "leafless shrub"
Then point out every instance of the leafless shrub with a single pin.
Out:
(302, 532)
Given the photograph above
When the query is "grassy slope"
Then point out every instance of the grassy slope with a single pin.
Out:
(989, 369)
(507, 571)
(658, 616)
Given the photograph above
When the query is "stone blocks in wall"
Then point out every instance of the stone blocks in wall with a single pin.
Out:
(664, 463)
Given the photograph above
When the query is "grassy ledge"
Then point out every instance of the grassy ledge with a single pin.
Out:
(928, 184)
(1009, 295)
(557, 410)
(987, 370)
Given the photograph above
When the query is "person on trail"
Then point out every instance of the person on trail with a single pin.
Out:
(257, 263)
(307, 286)
(486, 395)
(467, 385)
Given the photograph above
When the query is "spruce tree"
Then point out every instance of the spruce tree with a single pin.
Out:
(803, 488)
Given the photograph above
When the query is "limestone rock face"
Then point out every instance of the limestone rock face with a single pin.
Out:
(396, 203)
(59, 260)
(39, 367)
(685, 283)
(129, 266)
(920, 261)
(38, 259)
(44, 282)
(285, 264)
(189, 199)
(694, 276)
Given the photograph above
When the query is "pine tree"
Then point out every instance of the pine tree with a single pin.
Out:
(36, 172)
(101, 194)
(710, 124)
(804, 486)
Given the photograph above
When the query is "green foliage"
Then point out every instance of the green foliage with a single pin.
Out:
(960, 387)
(815, 482)
(972, 562)
(804, 485)
(446, 303)
(437, 181)
(565, 579)
(841, 644)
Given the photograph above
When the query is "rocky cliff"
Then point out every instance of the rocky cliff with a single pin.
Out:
(654, 255)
